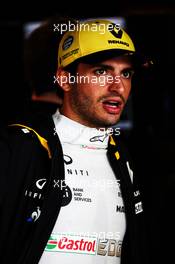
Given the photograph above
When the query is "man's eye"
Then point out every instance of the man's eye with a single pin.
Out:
(127, 74)
(100, 71)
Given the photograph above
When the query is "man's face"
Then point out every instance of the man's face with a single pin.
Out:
(98, 97)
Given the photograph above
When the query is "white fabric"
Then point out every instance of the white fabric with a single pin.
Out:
(91, 223)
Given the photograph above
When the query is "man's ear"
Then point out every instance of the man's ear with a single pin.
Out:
(62, 77)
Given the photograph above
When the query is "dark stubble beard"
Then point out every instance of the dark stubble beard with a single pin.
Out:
(82, 105)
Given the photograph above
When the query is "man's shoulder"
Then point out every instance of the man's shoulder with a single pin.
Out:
(37, 124)
(29, 133)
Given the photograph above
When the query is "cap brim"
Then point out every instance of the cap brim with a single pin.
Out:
(138, 59)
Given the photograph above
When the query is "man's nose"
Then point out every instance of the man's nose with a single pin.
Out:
(117, 85)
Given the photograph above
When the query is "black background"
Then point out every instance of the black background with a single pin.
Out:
(151, 141)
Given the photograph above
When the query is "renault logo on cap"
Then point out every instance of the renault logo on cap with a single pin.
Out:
(116, 31)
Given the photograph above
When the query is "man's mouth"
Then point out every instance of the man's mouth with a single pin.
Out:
(113, 106)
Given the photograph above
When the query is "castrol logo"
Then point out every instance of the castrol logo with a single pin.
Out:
(72, 244)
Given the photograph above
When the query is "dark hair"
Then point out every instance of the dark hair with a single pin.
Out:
(41, 56)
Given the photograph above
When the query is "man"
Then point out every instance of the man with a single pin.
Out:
(69, 194)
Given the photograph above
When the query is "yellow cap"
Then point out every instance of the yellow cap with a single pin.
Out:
(90, 37)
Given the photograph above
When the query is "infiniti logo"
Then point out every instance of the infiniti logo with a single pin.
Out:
(67, 159)
(40, 183)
